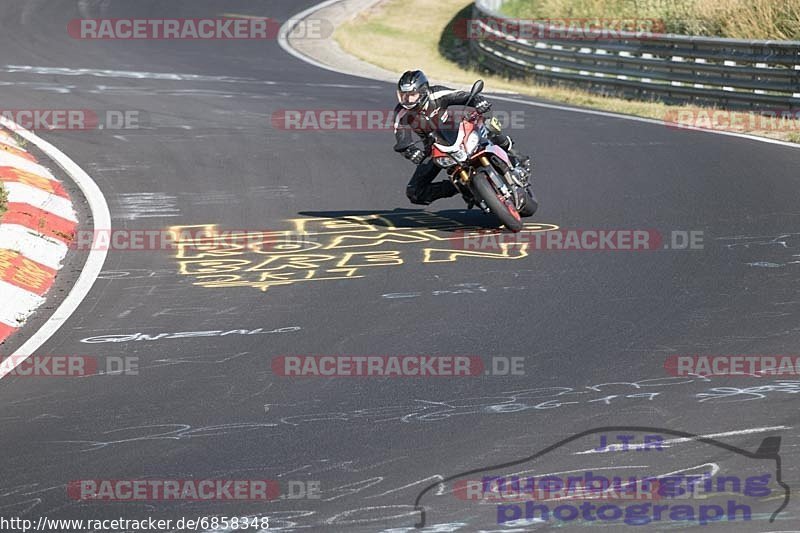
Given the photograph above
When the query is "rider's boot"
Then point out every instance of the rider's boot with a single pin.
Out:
(442, 189)
(521, 162)
(505, 142)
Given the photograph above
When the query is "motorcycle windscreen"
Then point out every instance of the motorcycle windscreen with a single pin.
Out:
(447, 135)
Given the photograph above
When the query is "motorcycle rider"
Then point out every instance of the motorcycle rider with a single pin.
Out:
(419, 102)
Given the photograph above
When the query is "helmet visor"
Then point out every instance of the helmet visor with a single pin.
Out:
(409, 99)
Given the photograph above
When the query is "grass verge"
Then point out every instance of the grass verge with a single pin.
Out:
(738, 19)
(3, 199)
(3, 193)
(384, 37)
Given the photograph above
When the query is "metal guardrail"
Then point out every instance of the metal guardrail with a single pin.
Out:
(673, 68)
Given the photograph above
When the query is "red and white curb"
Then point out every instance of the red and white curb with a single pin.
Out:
(35, 233)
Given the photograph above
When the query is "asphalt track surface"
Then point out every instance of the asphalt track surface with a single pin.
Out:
(593, 328)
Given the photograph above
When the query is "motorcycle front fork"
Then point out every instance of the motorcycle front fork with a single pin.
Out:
(506, 187)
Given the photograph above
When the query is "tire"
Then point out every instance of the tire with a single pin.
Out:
(483, 189)
(530, 205)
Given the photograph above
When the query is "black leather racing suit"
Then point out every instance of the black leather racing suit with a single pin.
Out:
(407, 122)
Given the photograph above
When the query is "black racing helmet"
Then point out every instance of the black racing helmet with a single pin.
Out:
(413, 89)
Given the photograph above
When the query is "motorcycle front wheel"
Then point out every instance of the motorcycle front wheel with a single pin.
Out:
(505, 210)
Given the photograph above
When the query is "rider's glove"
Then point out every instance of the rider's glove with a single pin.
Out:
(414, 154)
(482, 105)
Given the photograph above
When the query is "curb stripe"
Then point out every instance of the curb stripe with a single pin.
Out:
(6, 331)
(11, 174)
(10, 160)
(25, 303)
(19, 152)
(40, 222)
(9, 140)
(22, 193)
(45, 251)
(18, 270)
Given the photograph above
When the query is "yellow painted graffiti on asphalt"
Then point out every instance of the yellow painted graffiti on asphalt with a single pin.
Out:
(326, 249)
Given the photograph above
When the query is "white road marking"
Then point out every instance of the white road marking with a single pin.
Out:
(289, 25)
(107, 73)
(644, 120)
(146, 205)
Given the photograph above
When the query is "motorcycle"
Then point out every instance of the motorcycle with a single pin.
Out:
(482, 171)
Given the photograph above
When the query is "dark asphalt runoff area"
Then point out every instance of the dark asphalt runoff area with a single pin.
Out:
(593, 328)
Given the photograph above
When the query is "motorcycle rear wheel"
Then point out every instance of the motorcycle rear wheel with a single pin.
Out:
(531, 204)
